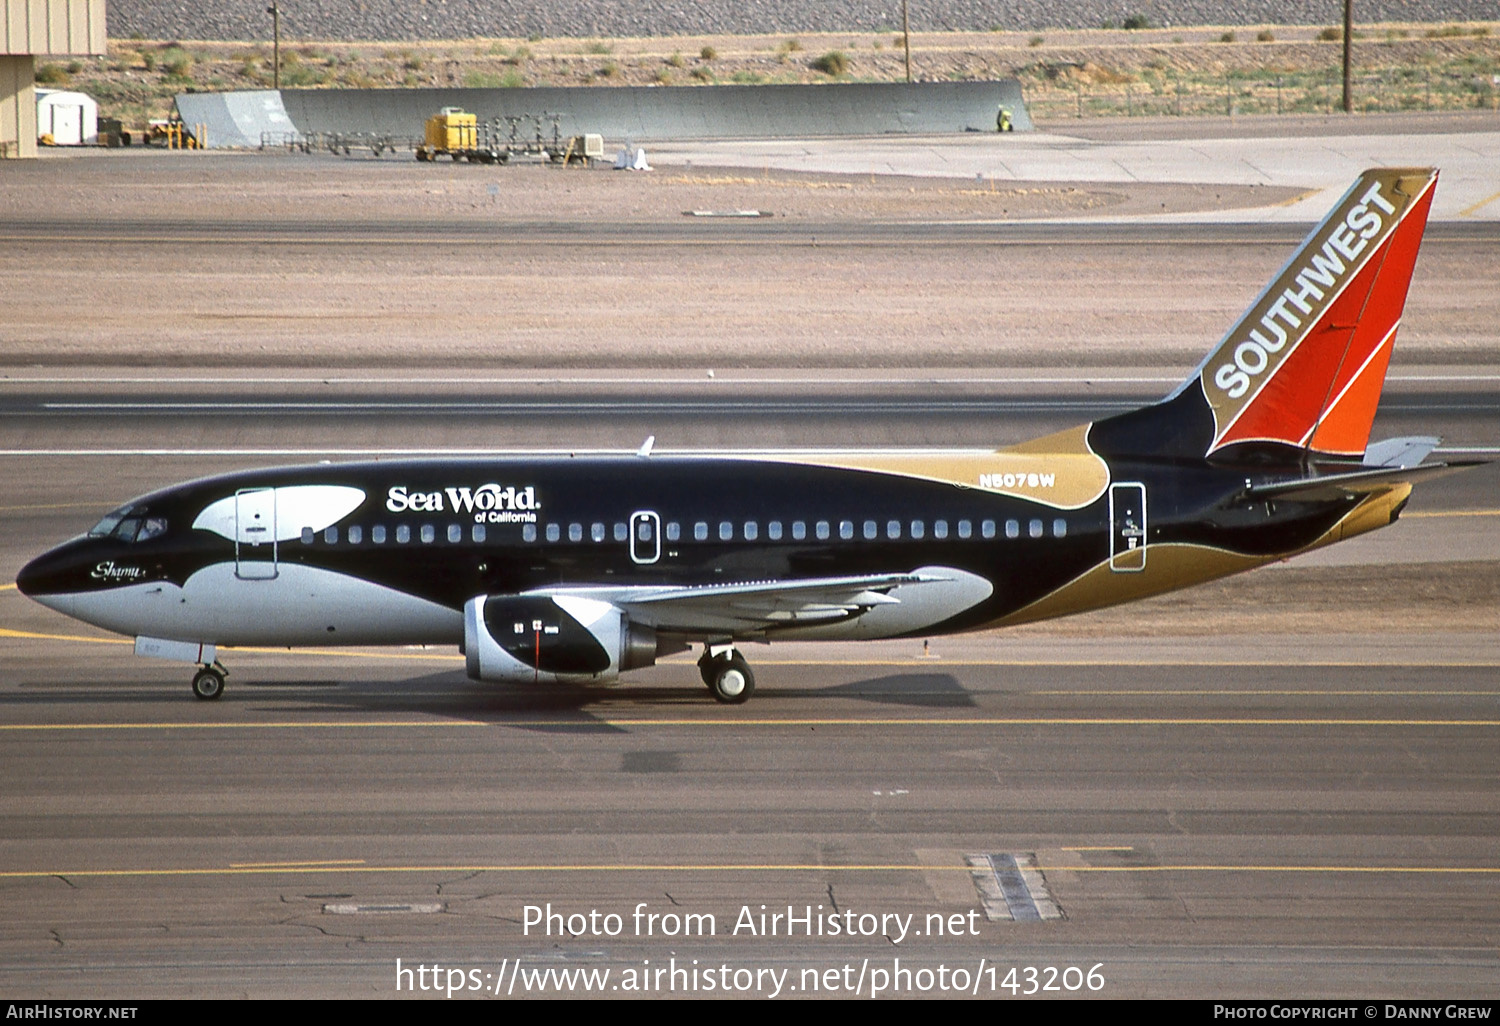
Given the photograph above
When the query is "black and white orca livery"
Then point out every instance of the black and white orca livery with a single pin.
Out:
(576, 570)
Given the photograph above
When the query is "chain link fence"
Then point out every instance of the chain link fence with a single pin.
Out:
(1263, 92)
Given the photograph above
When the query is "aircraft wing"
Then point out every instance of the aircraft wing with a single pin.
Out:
(742, 606)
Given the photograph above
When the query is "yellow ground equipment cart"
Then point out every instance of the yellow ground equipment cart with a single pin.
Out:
(451, 132)
(454, 132)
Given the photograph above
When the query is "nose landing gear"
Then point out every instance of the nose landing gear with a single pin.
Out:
(208, 682)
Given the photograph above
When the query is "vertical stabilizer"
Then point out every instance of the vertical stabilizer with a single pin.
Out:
(1304, 366)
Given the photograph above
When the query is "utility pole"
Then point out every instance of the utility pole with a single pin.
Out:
(275, 12)
(1348, 38)
(906, 38)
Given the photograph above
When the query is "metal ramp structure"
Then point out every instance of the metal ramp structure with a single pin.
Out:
(638, 113)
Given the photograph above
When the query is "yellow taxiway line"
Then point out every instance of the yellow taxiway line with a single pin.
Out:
(592, 722)
(1470, 210)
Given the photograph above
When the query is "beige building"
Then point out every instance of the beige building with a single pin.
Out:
(38, 28)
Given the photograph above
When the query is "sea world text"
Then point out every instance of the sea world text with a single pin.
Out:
(486, 498)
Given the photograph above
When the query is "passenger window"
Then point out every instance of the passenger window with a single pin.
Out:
(674, 531)
(478, 533)
(752, 530)
(377, 534)
(455, 534)
(987, 529)
(918, 529)
(622, 533)
(575, 532)
(331, 536)
(528, 533)
(554, 532)
(308, 535)
(940, 529)
(1059, 528)
(799, 530)
(428, 534)
(893, 529)
(403, 534)
(726, 530)
(822, 530)
(700, 531)
(773, 530)
(596, 532)
(846, 529)
(1035, 528)
(1012, 529)
(356, 534)
(965, 529)
(871, 529)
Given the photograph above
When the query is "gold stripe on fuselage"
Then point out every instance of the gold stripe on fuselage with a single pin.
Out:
(1059, 470)
(1174, 565)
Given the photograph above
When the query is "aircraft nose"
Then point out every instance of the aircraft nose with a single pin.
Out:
(50, 575)
(31, 581)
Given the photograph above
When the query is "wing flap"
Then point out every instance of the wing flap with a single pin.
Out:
(747, 606)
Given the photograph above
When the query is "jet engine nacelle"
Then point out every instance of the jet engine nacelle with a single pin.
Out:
(547, 638)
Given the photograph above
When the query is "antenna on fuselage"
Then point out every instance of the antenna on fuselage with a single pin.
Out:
(644, 452)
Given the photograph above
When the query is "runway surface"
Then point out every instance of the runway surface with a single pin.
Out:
(1227, 830)
(1243, 816)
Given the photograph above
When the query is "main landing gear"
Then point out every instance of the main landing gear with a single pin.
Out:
(726, 673)
(208, 682)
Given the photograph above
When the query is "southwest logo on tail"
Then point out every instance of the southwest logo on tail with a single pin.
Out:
(580, 570)
(1305, 364)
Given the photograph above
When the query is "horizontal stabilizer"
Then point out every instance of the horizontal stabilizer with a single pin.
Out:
(1358, 482)
(1401, 452)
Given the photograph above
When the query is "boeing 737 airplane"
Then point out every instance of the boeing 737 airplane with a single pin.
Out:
(577, 570)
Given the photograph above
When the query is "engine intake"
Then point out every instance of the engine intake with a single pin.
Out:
(549, 638)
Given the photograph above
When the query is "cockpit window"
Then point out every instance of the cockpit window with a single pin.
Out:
(106, 527)
(126, 525)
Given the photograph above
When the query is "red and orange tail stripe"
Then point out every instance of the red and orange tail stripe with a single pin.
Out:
(1306, 363)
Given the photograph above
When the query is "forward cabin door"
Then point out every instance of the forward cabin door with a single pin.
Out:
(645, 537)
(255, 534)
(1127, 536)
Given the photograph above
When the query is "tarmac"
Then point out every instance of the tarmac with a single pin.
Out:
(1297, 152)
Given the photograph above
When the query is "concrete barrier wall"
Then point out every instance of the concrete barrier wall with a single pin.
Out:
(639, 113)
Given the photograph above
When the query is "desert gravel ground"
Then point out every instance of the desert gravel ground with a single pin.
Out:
(458, 19)
(158, 294)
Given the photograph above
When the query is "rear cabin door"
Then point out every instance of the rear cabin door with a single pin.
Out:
(1127, 537)
(255, 534)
